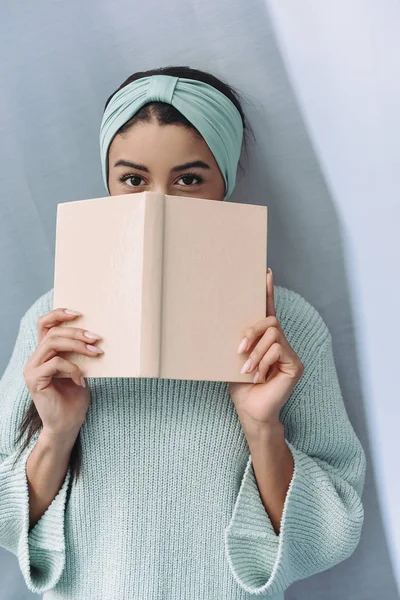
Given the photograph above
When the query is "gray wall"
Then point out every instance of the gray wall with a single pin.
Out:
(315, 164)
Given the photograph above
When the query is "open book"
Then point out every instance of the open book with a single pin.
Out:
(169, 282)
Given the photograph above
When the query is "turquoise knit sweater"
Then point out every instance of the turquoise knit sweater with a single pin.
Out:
(167, 505)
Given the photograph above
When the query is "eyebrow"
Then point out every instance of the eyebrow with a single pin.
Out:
(197, 163)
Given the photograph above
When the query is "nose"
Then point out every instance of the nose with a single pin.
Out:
(162, 188)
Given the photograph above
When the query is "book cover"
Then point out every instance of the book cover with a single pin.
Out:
(169, 282)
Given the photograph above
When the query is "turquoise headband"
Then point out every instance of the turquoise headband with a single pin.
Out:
(214, 116)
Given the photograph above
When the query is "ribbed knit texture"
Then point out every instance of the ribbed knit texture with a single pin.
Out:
(167, 505)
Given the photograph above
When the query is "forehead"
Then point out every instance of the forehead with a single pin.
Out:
(151, 141)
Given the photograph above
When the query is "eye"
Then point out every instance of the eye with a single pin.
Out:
(135, 179)
(192, 176)
(125, 178)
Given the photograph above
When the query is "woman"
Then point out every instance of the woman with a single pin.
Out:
(189, 489)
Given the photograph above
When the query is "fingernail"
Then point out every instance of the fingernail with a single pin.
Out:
(256, 377)
(242, 345)
(269, 271)
(94, 348)
(71, 312)
(246, 366)
(83, 382)
(91, 335)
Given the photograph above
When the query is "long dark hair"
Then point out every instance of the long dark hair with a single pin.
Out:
(165, 115)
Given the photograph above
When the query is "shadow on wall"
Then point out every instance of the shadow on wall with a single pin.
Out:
(306, 253)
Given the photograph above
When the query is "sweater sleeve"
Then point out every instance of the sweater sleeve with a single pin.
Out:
(41, 551)
(322, 515)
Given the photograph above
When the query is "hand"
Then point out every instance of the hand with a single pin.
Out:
(53, 381)
(279, 367)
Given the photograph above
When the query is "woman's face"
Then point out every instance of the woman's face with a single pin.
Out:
(157, 155)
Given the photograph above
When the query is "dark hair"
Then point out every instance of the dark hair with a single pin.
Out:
(165, 115)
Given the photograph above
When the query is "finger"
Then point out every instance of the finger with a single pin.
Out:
(270, 337)
(53, 344)
(77, 333)
(39, 378)
(271, 311)
(270, 358)
(253, 332)
(52, 318)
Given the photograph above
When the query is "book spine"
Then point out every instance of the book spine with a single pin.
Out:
(153, 245)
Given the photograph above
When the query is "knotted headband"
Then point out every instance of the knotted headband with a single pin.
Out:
(214, 116)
